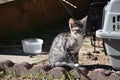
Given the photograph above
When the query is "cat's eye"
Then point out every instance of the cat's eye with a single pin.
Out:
(77, 31)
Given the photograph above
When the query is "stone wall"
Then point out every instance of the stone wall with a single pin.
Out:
(40, 71)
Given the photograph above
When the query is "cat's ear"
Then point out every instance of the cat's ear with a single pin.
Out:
(84, 19)
(71, 21)
(84, 22)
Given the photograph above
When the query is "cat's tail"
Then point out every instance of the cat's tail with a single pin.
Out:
(67, 65)
(72, 65)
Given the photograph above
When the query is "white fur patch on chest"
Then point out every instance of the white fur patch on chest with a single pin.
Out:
(79, 42)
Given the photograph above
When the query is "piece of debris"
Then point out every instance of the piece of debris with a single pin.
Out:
(89, 55)
(96, 52)
(31, 56)
(107, 72)
(95, 58)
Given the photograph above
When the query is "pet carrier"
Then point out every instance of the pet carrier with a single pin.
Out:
(111, 32)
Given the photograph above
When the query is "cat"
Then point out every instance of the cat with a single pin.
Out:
(65, 47)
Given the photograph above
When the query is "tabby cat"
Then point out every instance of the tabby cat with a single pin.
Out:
(65, 47)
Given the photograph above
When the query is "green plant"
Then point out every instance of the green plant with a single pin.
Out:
(69, 77)
(1, 73)
(22, 74)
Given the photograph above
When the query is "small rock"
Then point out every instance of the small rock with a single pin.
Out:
(26, 65)
(101, 70)
(84, 70)
(118, 72)
(107, 73)
(95, 58)
(5, 65)
(102, 74)
(84, 54)
(96, 75)
(37, 70)
(96, 52)
(114, 76)
(89, 55)
(21, 68)
(80, 73)
(31, 56)
(57, 72)
(44, 66)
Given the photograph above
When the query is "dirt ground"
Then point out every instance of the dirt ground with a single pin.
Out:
(87, 56)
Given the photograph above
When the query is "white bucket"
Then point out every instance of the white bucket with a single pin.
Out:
(32, 45)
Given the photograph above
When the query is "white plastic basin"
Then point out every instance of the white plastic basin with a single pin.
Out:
(32, 45)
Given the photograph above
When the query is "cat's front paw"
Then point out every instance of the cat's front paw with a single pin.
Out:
(77, 65)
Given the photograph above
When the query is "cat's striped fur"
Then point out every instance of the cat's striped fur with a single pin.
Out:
(65, 47)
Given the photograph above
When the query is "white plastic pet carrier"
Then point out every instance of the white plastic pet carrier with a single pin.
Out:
(111, 32)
